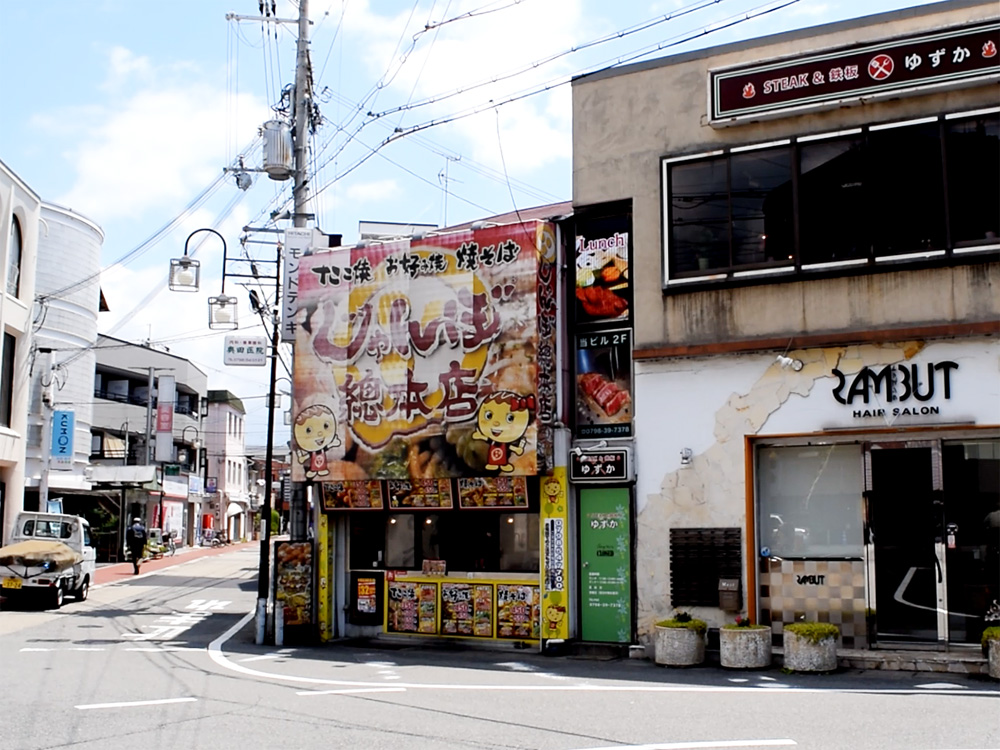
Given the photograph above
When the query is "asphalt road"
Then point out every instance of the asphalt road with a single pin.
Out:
(167, 660)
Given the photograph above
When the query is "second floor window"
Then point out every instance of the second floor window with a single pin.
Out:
(15, 248)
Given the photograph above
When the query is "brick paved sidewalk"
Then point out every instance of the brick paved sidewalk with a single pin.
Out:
(116, 572)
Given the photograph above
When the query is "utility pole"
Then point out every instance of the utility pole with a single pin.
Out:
(300, 121)
(45, 443)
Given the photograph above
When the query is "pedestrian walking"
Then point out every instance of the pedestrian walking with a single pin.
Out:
(136, 538)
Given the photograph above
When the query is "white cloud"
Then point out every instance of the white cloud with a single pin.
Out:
(368, 192)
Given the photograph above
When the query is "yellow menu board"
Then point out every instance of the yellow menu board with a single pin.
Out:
(467, 609)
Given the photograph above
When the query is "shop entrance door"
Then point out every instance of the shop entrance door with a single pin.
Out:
(904, 517)
(933, 512)
(605, 565)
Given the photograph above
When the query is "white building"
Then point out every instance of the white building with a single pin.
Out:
(20, 225)
(225, 447)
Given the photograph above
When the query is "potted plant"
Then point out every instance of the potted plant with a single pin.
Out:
(744, 645)
(680, 641)
(810, 646)
(991, 648)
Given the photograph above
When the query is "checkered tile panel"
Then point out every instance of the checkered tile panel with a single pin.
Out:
(816, 590)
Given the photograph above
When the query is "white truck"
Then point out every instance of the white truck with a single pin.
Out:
(49, 555)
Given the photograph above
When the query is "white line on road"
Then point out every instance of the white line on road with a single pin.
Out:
(217, 655)
(352, 691)
(128, 704)
(706, 744)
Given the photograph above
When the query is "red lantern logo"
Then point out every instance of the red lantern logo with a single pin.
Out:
(749, 92)
(989, 49)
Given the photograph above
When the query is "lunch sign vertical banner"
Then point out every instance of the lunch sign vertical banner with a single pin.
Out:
(408, 351)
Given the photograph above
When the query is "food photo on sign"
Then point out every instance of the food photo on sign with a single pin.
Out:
(419, 359)
(602, 275)
(604, 384)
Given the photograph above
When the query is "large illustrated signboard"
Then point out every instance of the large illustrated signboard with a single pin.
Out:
(412, 607)
(467, 609)
(426, 359)
(293, 581)
(603, 277)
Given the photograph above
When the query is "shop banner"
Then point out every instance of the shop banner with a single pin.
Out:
(422, 359)
(518, 608)
(411, 607)
(604, 384)
(944, 58)
(555, 585)
(606, 559)
(493, 492)
(324, 607)
(293, 581)
(603, 286)
(61, 445)
(467, 609)
(358, 495)
(420, 493)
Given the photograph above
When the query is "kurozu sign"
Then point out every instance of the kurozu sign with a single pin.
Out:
(426, 359)
(948, 58)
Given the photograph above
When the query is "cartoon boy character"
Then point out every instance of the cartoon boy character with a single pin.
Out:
(554, 615)
(315, 431)
(502, 421)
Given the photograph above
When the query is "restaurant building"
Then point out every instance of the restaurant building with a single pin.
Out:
(813, 220)
(423, 415)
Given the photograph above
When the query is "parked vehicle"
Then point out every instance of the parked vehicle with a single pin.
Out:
(50, 555)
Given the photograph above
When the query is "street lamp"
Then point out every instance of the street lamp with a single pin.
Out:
(185, 272)
(222, 313)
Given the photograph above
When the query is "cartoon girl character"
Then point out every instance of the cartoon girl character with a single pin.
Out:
(502, 421)
(315, 431)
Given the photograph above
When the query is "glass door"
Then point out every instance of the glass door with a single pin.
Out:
(904, 523)
(971, 470)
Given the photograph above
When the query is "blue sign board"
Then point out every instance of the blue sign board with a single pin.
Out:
(61, 450)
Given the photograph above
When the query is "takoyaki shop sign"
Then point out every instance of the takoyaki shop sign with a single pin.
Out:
(429, 358)
(946, 58)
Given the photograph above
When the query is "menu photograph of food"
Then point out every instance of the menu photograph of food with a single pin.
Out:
(467, 609)
(420, 493)
(293, 581)
(602, 274)
(412, 607)
(358, 494)
(493, 492)
(604, 384)
(518, 611)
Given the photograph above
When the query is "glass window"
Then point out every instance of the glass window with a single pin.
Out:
(974, 180)
(400, 548)
(904, 195)
(809, 501)
(15, 247)
(519, 542)
(833, 214)
(7, 378)
(762, 223)
(699, 215)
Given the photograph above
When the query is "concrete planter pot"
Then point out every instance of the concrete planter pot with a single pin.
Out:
(810, 647)
(745, 648)
(991, 642)
(679, 646)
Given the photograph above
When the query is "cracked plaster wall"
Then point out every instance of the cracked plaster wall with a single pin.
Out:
(676, 398)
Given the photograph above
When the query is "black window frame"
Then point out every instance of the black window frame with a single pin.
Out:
(940, 247)
(7, 379)
(15, 256)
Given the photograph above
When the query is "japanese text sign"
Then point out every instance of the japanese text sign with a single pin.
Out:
(423, 359)
(946, 58)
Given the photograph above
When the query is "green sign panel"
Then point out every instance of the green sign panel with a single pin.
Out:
(606, 565)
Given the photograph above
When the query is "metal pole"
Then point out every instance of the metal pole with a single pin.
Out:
(45, 443)
(300, 130)
(149, 418)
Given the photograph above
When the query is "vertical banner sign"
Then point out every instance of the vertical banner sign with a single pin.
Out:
(61, 450)
(555, 585)
(165, 395)
(606, 559)
(422, 359)
(297, 242)
(324, 590)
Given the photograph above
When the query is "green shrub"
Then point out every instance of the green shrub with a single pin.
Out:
(813, 631)
(684, 620)
(741, 626)
(991, 634)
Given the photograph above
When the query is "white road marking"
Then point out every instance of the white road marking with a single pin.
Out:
(37, 649)
(128, 704)
(941, 686)
(217, 655)
(705, 744)
(516, 666)
(352, 691)
(208, 604)
(86, 648)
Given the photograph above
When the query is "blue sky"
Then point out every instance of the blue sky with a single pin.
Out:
(127, 110)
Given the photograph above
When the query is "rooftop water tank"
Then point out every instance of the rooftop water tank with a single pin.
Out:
(277, 149)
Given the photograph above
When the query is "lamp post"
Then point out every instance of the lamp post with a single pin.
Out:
(222, 315)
